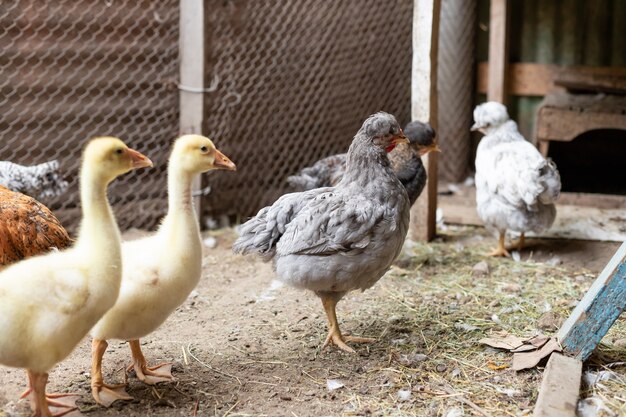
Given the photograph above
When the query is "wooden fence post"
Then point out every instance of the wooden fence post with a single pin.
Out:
(498, 51)
(191, 61)
(424, 108)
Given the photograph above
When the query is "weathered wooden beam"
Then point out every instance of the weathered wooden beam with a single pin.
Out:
(424, 108)
(597, 311)
(533, 79)
(564, 125)
(192, 74)
(574, 220)
(498, 51)
(560, 387)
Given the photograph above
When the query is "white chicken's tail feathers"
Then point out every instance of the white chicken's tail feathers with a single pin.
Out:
(551, 182)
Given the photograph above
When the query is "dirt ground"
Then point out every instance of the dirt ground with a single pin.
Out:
(244, 346)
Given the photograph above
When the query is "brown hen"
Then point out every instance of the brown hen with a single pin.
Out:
(27, 228)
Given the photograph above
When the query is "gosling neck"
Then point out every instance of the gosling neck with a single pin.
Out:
(179, 183)
(98, 226)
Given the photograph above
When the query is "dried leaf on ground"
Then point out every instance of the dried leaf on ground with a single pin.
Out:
(527, 360)
(538, 340)
(508, 341)
(495, 367)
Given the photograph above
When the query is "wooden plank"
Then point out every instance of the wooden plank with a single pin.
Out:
(532, 79)
(525, 79)
(466, 196)
(192, 59)
(583, 216)
(615, 84)
(560, 386)
(424, 108)
(566, 125)
(601, 201)
(498, 51)
(564, 116)
(597, 311)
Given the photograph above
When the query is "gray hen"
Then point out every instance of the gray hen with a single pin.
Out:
(334, 240)
(405, 162)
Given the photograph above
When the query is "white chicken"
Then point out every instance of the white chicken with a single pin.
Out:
(48, 303)
(515, 185)
(159, 270)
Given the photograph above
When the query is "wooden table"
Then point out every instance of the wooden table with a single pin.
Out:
(563, 116)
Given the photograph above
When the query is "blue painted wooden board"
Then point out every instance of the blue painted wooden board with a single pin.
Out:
(597, 311)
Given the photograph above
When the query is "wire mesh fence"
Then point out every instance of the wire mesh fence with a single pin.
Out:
(291, 81)
(74, 69)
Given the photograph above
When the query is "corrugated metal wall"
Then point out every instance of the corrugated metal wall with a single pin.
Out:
(565, 32)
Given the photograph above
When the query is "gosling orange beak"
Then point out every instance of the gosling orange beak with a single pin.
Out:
(221, 161)
(138, 159)
(434, 147)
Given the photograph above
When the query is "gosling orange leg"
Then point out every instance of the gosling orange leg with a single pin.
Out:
(148, 375)
(104, 394)
(40, 401)
(334, 334)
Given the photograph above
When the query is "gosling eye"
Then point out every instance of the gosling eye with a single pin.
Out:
(49, 176)
(204, 149)
(119, 151)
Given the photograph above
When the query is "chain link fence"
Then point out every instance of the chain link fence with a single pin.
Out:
(74, 69)
(291, 82)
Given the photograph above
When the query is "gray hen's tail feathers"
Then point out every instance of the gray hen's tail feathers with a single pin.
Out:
(261, 233)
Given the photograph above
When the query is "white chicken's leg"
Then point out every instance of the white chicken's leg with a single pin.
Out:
(104, 394)
(329, 301)
(39, 400)
(148, 375)
(501, 249)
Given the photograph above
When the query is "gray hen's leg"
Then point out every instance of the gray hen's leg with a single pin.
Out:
(329, 301)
